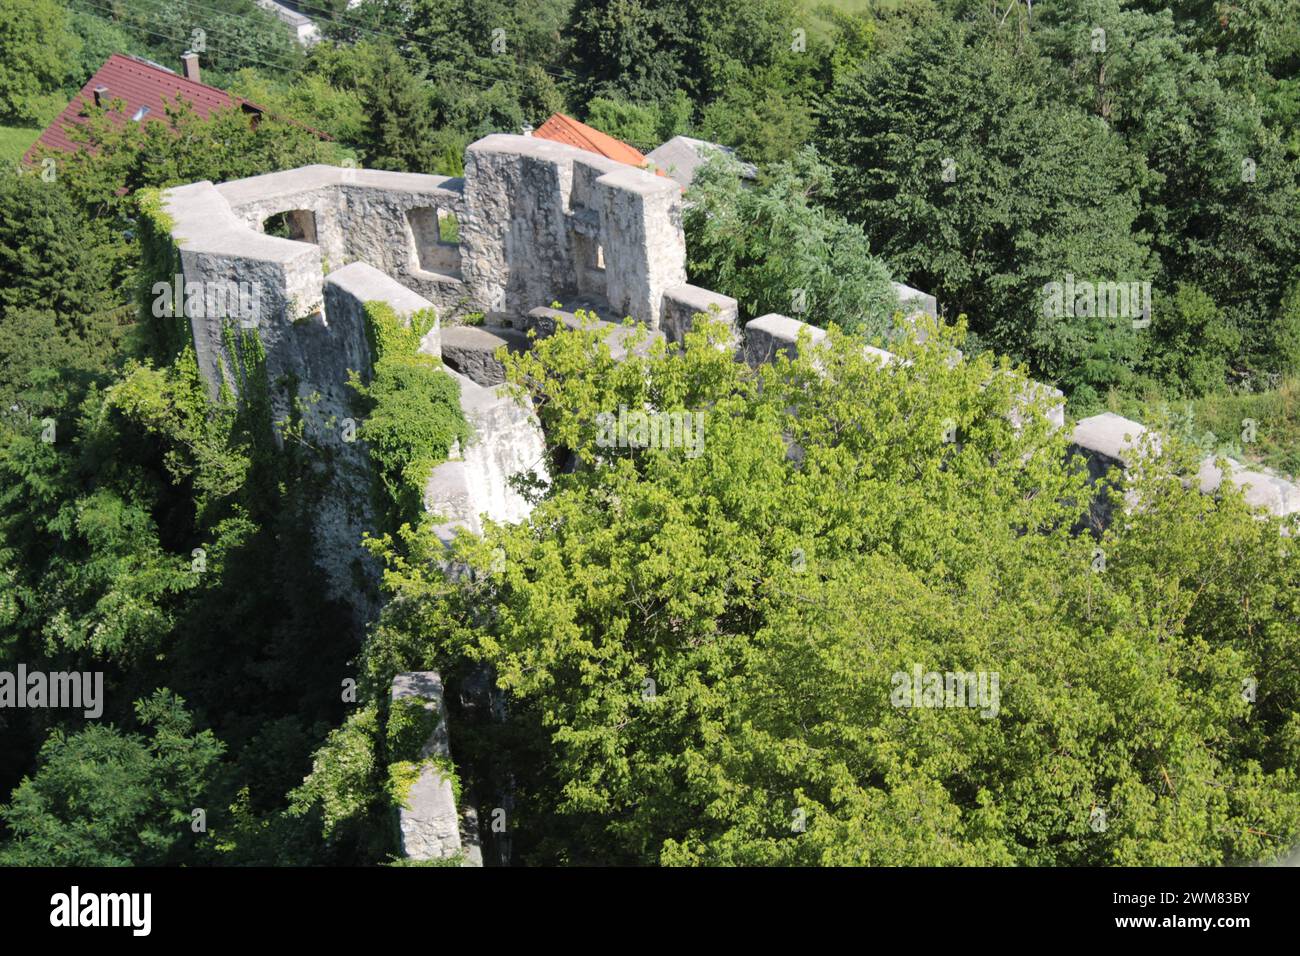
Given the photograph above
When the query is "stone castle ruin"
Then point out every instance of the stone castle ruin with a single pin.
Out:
(530, 223)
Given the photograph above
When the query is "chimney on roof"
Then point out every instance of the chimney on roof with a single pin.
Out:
(101, 96)
(190, 65)
(526, 129)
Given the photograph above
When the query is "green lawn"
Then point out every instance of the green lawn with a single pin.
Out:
(1221, 424)
(818, 26)
(1276, 415)
(14, 141)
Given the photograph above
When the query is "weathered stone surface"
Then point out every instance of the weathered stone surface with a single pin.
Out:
(545, 221)
(644, 245)
(770, 334)
(507, 443)
(347, 290)
(1109, 438)
(338, 346)
(1260, 489)
(773, 333)
(368, 215)
(429, 825)
(448, 498)
(215, 246)
(914, 300)
(683, 302)
(471, 350)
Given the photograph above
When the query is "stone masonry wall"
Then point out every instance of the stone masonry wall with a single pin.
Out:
(547, 222)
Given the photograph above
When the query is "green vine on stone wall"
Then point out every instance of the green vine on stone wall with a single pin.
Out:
(160, 261)
(411, 722)
(411, 411)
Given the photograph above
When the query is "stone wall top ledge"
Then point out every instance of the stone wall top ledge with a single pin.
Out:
(291, 182)
(1109, 434)
(367, 284)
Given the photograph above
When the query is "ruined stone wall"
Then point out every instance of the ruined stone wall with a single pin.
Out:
(387, 220)
(538, 221)
(346, 511)
(364, 236)
(548, 222)
(429, 824)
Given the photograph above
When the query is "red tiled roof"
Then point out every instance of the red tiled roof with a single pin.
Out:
(137, 84)
(566, 129)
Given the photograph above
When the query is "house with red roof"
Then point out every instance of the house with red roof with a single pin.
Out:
(145, 89)
(566, 129)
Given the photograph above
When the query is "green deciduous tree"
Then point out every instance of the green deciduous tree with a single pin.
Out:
(107, 798)
(703, 647)
(972, 183)
(36, 58)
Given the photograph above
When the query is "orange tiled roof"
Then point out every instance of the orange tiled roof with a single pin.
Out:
(566, 129)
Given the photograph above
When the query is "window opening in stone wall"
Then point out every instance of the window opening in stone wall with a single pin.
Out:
(437, 240)
(296, 224)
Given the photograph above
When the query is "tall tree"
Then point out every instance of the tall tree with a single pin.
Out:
(774, 250)
(975, 185)
(105, 798)
(36, 59)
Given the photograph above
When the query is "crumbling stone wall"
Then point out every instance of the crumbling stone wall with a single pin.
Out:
(545, 222)
(366, 215)
(312, 328)
(429, 824)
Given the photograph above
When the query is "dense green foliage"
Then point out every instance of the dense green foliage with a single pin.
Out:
(768, 600)
(148, 532)
(825, 272)
(103, 798)
(35, 49)
(986, 160)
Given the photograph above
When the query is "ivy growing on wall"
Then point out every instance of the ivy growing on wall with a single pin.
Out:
(411, 410)
(160, 261)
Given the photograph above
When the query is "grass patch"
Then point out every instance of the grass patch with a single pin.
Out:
(1219, 424)
(14, 141)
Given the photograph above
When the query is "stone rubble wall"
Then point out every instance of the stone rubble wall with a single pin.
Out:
(681, 303)
(914, 300)
(537, 212)
(476, 482)
(361, 214)
(345, 511)
(312, 326)
(215, 246)
(429, 825)
(643, 240)
(472, 350)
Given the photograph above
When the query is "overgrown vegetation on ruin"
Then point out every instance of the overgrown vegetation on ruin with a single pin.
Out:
(699, 652)
(411, 411)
